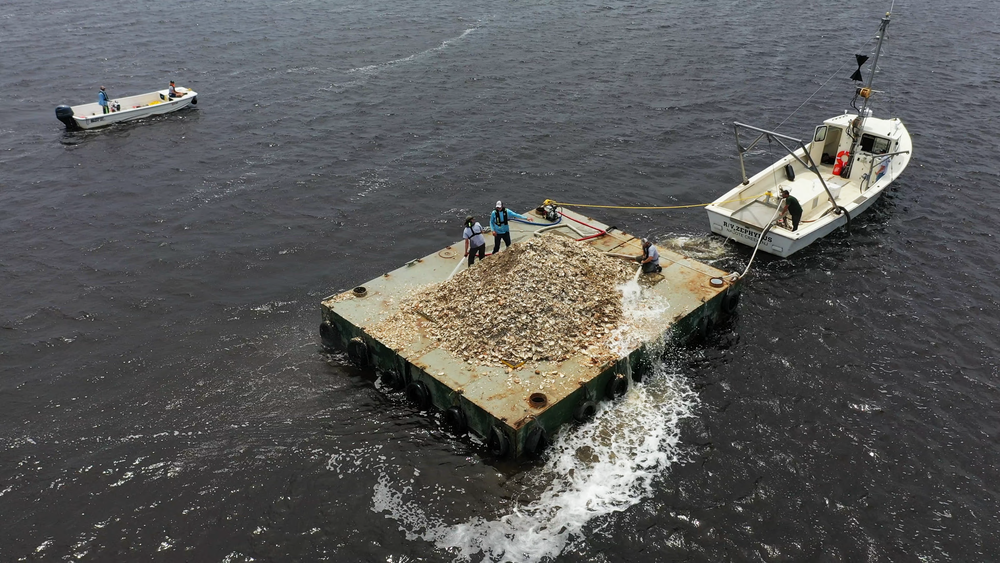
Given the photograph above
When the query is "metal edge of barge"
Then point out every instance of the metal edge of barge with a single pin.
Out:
(516, 410)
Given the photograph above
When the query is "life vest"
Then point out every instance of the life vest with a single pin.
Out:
(472, 229)
(501, 220)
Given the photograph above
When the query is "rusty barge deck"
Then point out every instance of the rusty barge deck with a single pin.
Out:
(516, 408)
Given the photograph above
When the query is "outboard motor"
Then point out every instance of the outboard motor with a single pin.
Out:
(65, 114)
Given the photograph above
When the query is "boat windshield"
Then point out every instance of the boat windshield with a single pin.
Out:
(874, 145)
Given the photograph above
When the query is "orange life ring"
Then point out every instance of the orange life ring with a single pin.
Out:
(842, 158)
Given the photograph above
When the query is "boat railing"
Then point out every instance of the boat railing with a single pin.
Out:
(867, 178)
(809, 163)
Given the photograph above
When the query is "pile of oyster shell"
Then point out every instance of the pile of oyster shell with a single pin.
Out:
(547, 298)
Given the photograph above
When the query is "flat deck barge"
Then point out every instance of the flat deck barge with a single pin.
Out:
(516, 407)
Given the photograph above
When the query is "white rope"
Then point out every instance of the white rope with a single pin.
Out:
(770, 224)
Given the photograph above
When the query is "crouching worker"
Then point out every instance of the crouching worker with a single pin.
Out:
(473, 235)
(650, 258)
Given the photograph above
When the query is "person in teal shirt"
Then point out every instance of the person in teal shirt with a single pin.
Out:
(499, 224)
(102, 98)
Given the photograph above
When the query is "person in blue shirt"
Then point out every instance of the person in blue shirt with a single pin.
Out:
(102, 98)
(650, 258)
(499, 224)
(473, 234)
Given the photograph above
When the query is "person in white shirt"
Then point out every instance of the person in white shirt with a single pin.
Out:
(473, 235)
(650, 258)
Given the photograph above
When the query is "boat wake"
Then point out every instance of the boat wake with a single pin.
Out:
(368, 71)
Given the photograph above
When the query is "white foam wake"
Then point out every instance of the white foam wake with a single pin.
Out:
(369, 69)
(592, 470)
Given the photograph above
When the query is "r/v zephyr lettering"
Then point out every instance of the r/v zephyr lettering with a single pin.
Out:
(741, 230)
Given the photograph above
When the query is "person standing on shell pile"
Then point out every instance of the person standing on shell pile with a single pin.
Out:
(473, 235)
(499, 224)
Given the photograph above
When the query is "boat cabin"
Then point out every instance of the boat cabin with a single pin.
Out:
(831, 144)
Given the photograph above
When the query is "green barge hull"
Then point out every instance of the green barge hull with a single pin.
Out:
(516, 408)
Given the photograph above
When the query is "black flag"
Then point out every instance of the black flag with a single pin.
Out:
(857, 74)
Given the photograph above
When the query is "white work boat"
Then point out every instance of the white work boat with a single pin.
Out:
(90, 116)
(850, 161)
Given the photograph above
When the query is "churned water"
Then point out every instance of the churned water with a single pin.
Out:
(164, 394)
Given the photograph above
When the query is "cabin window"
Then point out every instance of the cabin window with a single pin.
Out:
(874, 145)
(820, 134)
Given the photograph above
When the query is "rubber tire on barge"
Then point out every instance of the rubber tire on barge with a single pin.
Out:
(456, 421)
(418, 392)
(393, 379)
(498, 443)
(536, 441)
(328, 336)
(617, 387)
(357, 351)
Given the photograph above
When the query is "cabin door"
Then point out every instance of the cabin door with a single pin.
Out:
(818, 142)
(831, 146)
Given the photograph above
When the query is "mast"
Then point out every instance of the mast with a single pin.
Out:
(878, 51)
(865, 92)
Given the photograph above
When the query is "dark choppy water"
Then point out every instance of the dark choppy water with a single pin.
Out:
(163, 393)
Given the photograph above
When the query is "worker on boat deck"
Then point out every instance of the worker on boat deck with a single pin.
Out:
(102, 98)
(650, 258)
(499, 220)
(792, 207)
(473, 235)
(172, 91)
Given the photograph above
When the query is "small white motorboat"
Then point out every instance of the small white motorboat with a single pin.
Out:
(90, 116)
(850, 161)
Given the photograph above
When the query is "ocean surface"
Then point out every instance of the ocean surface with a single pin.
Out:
(163, 392)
